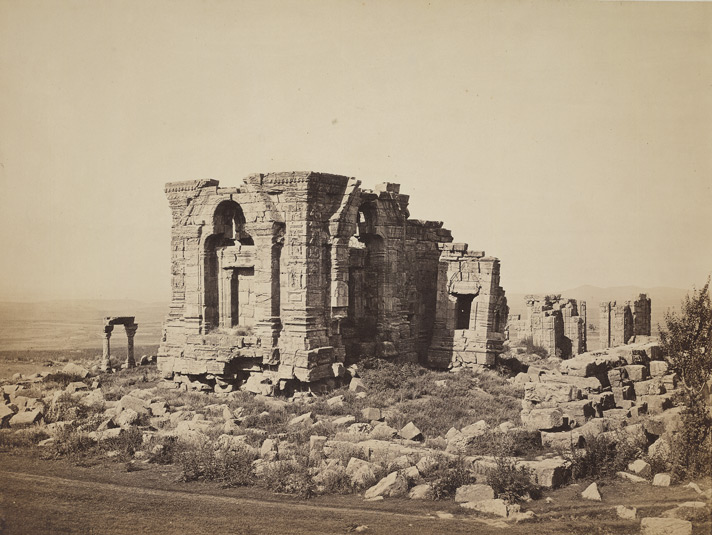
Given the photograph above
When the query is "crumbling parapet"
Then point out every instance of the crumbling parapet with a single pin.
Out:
(558, 325)
(471, 309)
(619, 323)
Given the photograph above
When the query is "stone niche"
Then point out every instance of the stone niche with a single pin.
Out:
(622, 323)
(281, 282)
(558, 325)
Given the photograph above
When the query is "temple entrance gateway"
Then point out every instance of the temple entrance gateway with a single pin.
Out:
(130, 327)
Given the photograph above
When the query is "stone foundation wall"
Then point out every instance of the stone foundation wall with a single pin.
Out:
(281, 281)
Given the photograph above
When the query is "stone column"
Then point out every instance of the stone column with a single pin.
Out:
(225, 305)
(130, 332)
(106, 355)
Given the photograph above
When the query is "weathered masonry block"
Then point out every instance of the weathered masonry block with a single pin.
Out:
(556, 324)
(278, 283)
(619, 323)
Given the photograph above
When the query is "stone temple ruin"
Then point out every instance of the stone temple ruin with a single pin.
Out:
(558, 325)
(620, 323)
(279, 283)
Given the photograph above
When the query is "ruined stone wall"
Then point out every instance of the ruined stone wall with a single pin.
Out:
(471, 309)
(558, 325)
(621, 322)
(286, 278)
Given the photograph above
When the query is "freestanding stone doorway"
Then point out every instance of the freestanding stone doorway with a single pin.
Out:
(130, 327)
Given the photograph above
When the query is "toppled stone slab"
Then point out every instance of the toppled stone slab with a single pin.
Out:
(549, 473)
(410, 432)
(661, 480)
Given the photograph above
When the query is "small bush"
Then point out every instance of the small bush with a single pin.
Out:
(201, 462)
(289, 477)
(72, 444)
(22, 438)
(163, 450)
(603, 455)
(510, 482)
(448, 476)
(127, 443)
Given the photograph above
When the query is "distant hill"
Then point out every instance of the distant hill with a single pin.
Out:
(662, 299)
(76, 324)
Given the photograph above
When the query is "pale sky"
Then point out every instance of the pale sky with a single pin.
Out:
(571, 140)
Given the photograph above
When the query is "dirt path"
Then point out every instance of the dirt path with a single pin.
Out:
(54, 497)
(37, 504)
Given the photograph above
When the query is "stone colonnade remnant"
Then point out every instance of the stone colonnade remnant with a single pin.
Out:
(130, 327)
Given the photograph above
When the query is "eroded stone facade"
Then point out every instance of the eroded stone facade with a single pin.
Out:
(283, 280)
(558, 325)
(621, 322)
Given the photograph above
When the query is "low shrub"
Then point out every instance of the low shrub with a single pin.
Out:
(510, 482)
(22, 438)
(448, 476)
(128, 442)
(71, 443)
(289, 477)
(604, 455)
(201, 462)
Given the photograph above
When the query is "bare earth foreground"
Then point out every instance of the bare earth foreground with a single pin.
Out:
(48, 497)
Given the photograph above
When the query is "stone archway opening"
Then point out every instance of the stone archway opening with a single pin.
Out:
(130, 326)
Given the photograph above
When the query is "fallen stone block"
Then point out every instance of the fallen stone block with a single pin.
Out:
(626, 513)
(543, 419)
(661, 480)
(658, 404)
(410, 432)
(665, 526)
(637, 372)
(475, 430)
(303, 419)
(6, 413)
(394, 484)
(549, 473)
(422, 492)
(383, 431)
(26, 418)
(640, 468)
(344, 420)
(552, 393)
(357, 385)
(632, 478)
(495, 507)
(76, 386)
(690, 511)
(75, 369)
(362, 473)
(591, 493)
(134, 403)
(473, 493)
(658, 368)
